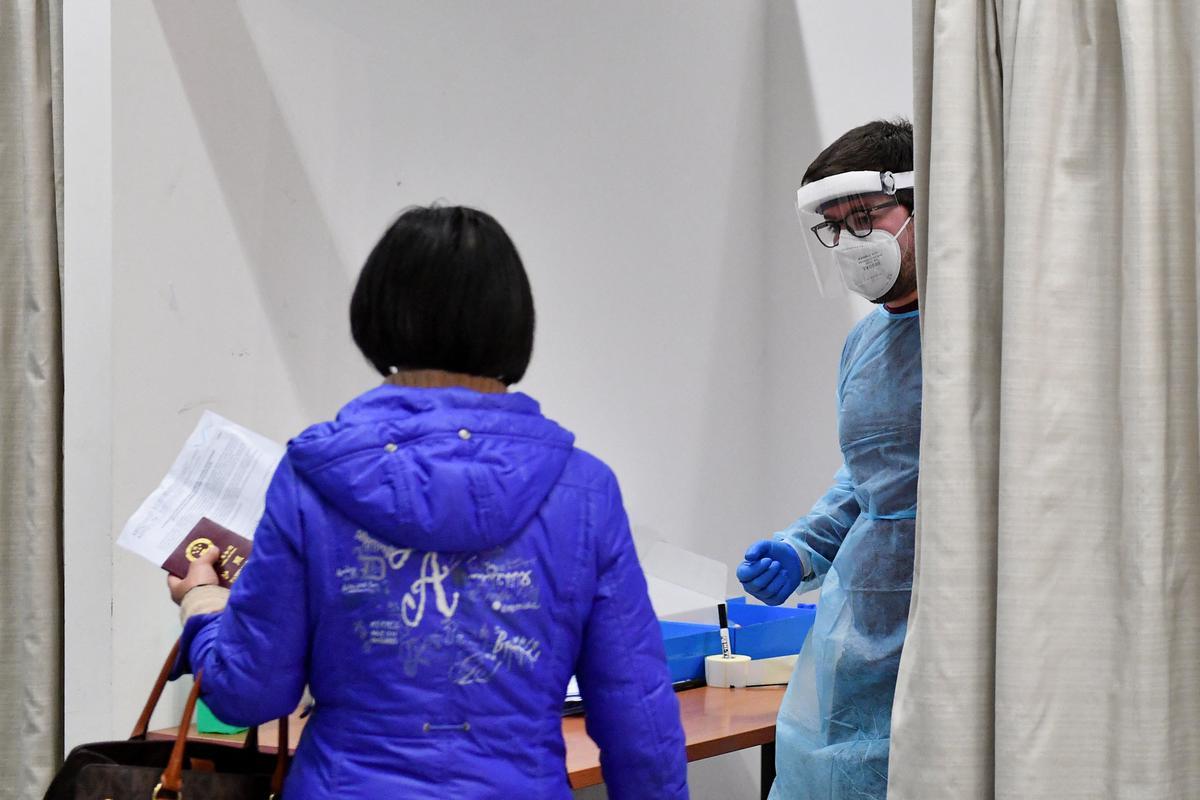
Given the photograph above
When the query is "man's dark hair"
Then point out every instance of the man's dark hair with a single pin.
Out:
(445, 289)
(880, 145)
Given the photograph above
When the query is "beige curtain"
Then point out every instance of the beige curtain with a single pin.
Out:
(1053, 647)
(30, 395)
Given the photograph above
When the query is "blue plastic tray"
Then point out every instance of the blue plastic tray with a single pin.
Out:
(763, 632)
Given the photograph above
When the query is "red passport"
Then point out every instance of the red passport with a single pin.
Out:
(235, 549)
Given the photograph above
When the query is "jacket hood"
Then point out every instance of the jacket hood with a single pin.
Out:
(451, 470)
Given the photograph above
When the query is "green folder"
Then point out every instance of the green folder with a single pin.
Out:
(206, 722)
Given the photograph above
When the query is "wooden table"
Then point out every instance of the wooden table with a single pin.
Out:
(715, 721)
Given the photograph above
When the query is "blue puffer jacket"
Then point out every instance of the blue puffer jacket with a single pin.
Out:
(435, 564)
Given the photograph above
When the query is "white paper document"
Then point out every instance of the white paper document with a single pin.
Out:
(222, 473)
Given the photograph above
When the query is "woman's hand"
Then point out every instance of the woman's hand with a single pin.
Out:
(201, 572)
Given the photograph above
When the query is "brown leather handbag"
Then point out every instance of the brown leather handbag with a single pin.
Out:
(141, 769)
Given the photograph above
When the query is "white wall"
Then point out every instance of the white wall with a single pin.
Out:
(87, 351)
(827, 71)
(643, 157)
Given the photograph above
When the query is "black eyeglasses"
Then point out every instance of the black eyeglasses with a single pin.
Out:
(860, 222)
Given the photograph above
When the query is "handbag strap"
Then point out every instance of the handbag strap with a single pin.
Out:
(282, 756)
(172, 776)
(170, 786)
(143, 723)
(282, 759)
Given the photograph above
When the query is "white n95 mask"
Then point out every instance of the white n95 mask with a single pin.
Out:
(871, 264)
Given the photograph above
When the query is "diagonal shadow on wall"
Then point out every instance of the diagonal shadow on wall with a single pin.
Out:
(303, 288)
(806, 331)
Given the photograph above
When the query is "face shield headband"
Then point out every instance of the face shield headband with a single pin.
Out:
(838, 214)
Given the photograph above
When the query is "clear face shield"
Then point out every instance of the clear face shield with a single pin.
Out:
(840, 216)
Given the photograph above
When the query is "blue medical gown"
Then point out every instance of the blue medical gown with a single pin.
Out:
(834, 724)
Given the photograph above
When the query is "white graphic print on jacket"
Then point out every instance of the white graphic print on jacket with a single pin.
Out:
(410, 600)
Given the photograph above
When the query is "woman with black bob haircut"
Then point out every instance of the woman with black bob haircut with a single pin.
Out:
(437, 561)
(444, 289)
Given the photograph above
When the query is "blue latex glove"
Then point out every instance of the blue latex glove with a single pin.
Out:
(771, 571)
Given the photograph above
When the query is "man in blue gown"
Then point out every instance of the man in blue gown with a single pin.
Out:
(856, 543)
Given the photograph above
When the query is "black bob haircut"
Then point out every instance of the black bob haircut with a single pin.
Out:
(879, 146)
(445, 289)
